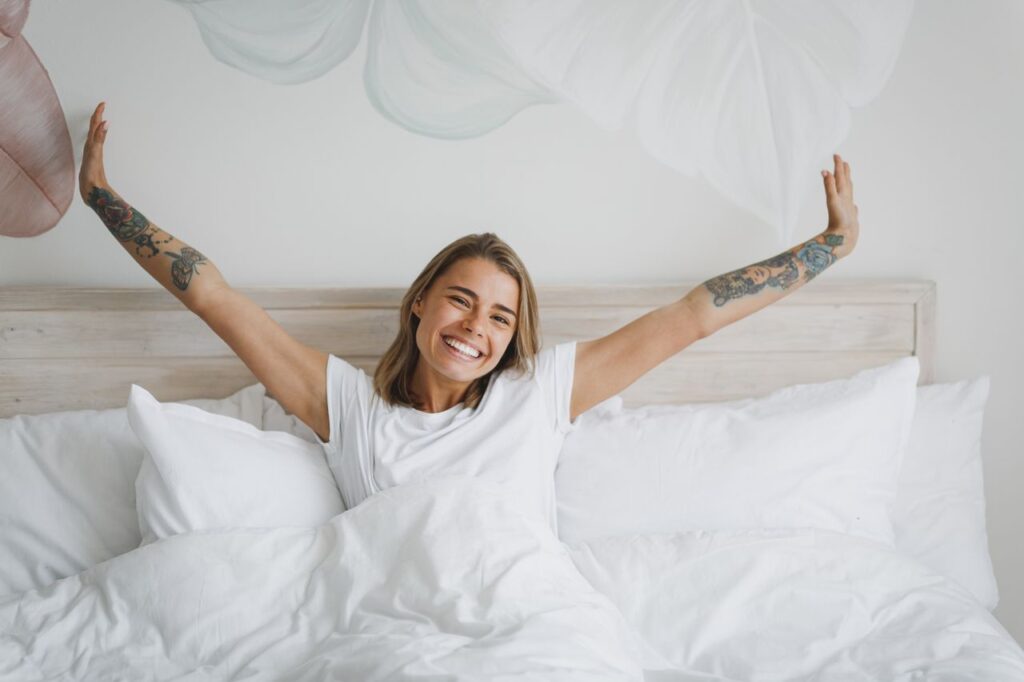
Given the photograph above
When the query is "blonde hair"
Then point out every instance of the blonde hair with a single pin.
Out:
(393, 376)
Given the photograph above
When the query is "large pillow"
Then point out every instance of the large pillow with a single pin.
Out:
(204, 471)
(823, 455)
(939, 515)
(276, 418)
(67, 488)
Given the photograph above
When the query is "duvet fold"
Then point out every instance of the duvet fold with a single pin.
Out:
(447, 580)
(434, 580)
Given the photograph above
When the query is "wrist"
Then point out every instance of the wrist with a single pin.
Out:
(90, 186)
(839, 242)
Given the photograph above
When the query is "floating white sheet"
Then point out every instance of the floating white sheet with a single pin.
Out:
(752, 94)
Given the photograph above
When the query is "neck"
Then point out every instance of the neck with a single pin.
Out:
(432, 392)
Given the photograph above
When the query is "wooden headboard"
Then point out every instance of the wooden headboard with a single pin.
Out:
(70, 348)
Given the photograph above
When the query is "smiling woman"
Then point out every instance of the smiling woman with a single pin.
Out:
(467, 315)
(464, 389)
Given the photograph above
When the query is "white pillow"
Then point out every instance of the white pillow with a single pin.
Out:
(276, 418)
(67, 488)
(939, 515)
(821, 455)
(206, 471)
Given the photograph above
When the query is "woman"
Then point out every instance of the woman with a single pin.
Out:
(463, 389)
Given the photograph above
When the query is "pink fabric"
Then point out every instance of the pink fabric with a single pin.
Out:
(12, 18)
(37, 166)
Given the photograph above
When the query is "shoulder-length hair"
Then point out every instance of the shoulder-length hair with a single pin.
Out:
(393, 376)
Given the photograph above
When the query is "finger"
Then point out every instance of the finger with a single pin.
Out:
(844, 176)
(101, 130)
(97, 118)
(830, 184)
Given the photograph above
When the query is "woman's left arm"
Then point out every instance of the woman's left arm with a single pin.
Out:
(607, 366)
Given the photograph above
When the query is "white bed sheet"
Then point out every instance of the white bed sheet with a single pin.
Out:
(795, 605)
(445, 580)
(435, 580)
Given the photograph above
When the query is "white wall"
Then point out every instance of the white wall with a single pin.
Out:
(307, 185)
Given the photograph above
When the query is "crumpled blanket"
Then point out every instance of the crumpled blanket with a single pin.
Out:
(435, 580)
(447, 580)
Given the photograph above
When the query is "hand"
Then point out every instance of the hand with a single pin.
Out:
(92, 174)
(842, 212)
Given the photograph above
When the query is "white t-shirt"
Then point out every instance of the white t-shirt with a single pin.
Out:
(512, 437)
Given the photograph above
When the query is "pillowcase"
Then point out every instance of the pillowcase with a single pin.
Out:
(823, 455)
(939, 511)
(67, 488)
(939, 515)
(276, 418)
(204, 471)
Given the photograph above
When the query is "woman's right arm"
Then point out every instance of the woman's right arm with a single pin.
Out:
(182, 270)
(293, 373)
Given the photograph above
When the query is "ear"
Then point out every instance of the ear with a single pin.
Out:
(417, 307)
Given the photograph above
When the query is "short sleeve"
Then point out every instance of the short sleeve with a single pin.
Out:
(555, 370)
(348, 394)
(346, 386)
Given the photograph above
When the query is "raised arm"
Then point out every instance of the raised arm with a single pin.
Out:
(292, 372)
(181, 270)
(607, 366)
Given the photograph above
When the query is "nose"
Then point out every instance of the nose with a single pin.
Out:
(473, 324)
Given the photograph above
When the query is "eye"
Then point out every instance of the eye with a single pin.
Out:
(502, 319)
(460, 300)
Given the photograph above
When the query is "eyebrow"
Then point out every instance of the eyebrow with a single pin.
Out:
(472, 295)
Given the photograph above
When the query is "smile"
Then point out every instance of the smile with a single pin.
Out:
(465, 357)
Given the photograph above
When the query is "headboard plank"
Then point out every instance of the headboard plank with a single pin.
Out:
(363, 331)
(63, 349)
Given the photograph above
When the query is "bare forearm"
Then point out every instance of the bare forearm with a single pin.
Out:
(730, 297)
(182, 270)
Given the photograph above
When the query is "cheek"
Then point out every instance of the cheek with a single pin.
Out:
(505, 344)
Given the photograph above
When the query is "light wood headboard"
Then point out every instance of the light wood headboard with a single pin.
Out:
(69, 349)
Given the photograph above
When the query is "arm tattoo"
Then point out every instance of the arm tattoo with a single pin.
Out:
(129, 225)
(123, 221)
(184, 265)
(781, 271)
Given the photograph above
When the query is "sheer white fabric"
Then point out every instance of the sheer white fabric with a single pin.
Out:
(752, 94)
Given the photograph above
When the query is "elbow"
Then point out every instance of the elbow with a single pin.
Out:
(696, 322)
(208, 298)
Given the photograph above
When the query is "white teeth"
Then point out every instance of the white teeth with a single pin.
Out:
(461, 347)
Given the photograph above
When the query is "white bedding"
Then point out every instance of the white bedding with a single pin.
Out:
(435, 580)
(444, 580)
(796, 605)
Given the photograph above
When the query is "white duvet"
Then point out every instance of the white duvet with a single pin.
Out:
(444, 580)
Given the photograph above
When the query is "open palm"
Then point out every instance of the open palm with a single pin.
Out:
(92, 173)
(842, 212)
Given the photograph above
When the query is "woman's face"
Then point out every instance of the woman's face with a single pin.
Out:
(473, 303)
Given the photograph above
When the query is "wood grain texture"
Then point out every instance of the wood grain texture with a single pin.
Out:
(65, 348)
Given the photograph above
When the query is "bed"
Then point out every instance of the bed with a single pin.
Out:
(698, 539)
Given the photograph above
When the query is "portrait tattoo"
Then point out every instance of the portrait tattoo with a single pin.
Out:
(185, 264)
(781, 271)
(123, 221)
